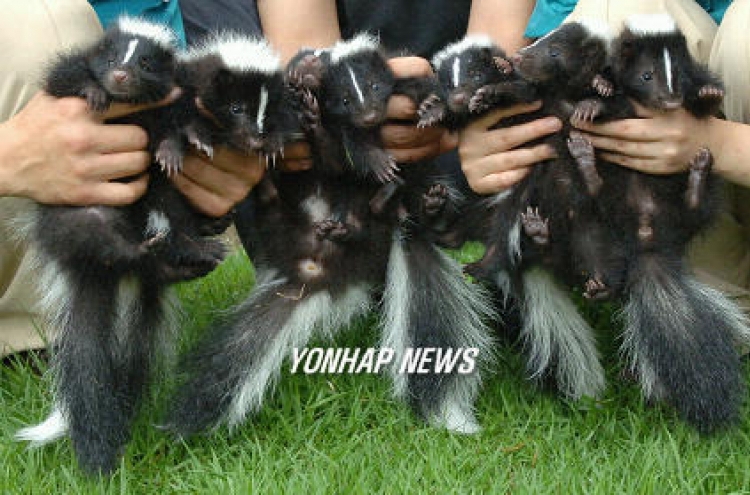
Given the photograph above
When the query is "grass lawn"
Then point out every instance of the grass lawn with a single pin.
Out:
(344, 434)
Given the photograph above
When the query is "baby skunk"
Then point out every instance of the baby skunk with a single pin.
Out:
(678, 332)
(527, 230)
(234, 95)
(474, 75)
(321, 254)
(351, 82)
(109, 303)
(103, 267)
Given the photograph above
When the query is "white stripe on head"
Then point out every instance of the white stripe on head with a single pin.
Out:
(454, 49)
(596, 28)
(668, 70)
(363, 42)
(360, 96)
(237, 52)
(262, 108)
(131, 50)
(456, 71)
(158, 33)
(651, 24)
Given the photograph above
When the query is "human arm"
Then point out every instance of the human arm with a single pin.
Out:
(501, 20)
(664, 142)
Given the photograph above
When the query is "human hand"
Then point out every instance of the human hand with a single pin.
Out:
(494, 160)
(659, 142)
(57, 151)
(406, 142)
(215, 186)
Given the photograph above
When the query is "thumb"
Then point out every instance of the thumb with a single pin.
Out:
(117, 110)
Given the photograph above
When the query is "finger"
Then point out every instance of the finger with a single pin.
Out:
(635, 149)
(242, 166)
(416, 154)
(120, 165)
(117, 110)
(508, 138)
(119, 138)
(204, 200)
(627, 129)
(117, 193)
(496, 183)
(230, 184)
(448, 141)
(298, 150)
(288, 165)
(520, 158)
(410, 67)
(407, 136)
(492, 118)
(401, 107)
(641, 164)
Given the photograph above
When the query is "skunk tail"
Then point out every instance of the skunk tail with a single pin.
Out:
(229, 371)
(429, 304)
(679, 336)
(556, 335)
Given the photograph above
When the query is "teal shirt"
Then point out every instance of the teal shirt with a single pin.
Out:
(161, 11)
(548, 14)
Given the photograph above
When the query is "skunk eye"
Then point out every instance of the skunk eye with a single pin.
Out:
(111, 62)
(144, 63)
(554, 52)
(647, 76)
(477, 77)
(374, 86)
(235, 108)
(345, 101)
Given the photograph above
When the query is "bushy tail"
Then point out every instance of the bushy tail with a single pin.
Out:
(104, 337)
(557, 336)
(429, 304)
(229, 371)
(679, 336)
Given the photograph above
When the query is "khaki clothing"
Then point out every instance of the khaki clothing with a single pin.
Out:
(31, 31)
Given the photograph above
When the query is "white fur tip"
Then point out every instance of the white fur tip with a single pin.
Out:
(363, 42)
(470, 41)
(238, 52)
(51, 429)
(458, 420)
(651, 24)
(597, 28)
(159, 33)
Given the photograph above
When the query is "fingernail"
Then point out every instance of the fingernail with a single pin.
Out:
(552, 124)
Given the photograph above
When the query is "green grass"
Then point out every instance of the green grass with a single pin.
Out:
(344, 434)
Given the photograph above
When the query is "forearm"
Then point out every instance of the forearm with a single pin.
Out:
(502, 20)
(293, 24)
(729, 143)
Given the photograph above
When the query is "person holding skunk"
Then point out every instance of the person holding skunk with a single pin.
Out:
(42, 138)
(660, 142)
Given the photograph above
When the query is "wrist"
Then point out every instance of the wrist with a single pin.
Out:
(8, 161)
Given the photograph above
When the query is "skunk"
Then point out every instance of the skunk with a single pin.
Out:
(351, 82)
(109, 298)
(322, 253)
(527, 230)
(678, 333)
(474, 75)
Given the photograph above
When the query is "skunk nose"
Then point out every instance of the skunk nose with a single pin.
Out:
(516, 59)
(370, 118)
(459, 99)
(120, 76)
